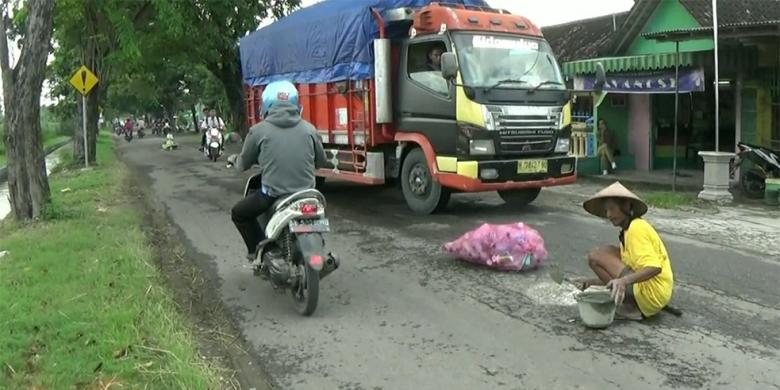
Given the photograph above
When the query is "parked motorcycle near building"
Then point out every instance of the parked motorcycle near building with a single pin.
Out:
(762, 162)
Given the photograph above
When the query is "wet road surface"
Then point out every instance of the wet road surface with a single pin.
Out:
(400, 314)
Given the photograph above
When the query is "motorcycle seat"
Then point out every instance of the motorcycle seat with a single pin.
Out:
(284, 201)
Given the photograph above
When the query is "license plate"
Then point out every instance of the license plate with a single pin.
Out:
(310, 225)
(532, 166)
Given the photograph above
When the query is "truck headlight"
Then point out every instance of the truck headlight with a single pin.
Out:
(489, 118)
(481, 147)
(562, 146)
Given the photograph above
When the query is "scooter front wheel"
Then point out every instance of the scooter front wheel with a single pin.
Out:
(753, 184)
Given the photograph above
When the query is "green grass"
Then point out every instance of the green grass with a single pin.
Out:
(669, 200)
(83, 304)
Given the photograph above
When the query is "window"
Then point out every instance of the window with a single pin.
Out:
(423, 66)
(487, 60)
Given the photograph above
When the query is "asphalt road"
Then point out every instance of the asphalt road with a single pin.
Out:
(400, 314)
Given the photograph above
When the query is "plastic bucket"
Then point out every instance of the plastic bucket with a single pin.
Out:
(596, 307)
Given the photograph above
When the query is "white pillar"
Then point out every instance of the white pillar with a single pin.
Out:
(717, 77)
(716, 177)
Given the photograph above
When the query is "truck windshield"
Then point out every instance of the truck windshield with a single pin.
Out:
(504, 61)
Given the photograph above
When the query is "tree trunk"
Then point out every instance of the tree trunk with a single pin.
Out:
(238, 109)
(28, 184)
(194, 114)
(229, 74)
(93, 56)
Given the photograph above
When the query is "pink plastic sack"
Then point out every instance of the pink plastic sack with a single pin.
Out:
(511, 247)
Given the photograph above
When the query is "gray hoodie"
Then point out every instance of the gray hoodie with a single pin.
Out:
(287, 148)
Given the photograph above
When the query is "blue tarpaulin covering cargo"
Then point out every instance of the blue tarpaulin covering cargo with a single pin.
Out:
(326, 42)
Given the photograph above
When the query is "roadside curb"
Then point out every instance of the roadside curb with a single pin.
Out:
(47, 151)
(639, 183)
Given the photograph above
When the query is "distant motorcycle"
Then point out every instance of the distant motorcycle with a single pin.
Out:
(765, 163)
(293, 256)
(214, 143)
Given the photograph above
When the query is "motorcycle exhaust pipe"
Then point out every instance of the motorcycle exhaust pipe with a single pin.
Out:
(331, 264)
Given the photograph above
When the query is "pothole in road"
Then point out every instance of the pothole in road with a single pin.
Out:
(552, 294)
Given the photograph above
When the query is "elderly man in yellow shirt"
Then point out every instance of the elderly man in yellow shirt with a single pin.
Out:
(638, 271)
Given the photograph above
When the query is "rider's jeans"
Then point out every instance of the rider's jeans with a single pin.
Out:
(245, 214)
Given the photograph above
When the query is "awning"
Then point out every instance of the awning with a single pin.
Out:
(765, 28)
(628, 63)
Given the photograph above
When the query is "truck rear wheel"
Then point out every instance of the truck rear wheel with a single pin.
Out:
(519, 198)
(422, 193)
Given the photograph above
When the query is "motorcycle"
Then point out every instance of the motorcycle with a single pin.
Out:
(213, 143)
(141, 133)
(765, 163)
(293, 256)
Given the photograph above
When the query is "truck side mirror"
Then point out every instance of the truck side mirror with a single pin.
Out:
(601, 77)
(449, 65)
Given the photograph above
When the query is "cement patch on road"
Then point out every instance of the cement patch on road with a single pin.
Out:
(552, 294)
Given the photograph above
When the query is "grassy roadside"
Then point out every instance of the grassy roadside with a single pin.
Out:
(668, 199)
(83, 304)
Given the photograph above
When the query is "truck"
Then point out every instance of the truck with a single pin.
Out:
(444, 97)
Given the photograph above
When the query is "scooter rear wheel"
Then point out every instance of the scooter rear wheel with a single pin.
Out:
(306, 292)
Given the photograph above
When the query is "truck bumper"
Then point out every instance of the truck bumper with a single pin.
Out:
(560, 171)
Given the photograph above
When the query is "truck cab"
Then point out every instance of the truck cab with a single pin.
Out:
(482, 87)
(445, 98)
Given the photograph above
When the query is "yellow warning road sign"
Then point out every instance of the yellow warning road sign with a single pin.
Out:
(84, 80)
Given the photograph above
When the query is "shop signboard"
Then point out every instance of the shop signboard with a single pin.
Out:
(691, 80)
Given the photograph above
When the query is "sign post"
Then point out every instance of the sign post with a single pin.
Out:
(84, 80)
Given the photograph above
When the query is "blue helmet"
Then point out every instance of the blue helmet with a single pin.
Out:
(279, 91)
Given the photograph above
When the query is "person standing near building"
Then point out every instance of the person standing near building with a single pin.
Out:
(606, 150)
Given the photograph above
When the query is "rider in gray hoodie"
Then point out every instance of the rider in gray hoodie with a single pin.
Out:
(288, 151)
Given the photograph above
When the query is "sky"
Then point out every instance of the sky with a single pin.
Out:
(551, 12)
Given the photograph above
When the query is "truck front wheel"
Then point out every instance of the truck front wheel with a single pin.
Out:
(519, 198)
(422, 193)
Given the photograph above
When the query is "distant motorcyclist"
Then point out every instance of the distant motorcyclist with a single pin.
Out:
(211, 121)
(129, 124)
(288, 151)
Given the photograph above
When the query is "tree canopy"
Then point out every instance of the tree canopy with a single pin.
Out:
(156, 57)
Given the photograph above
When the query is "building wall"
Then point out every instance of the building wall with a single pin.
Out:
(764, 117)
(640, 126)
(669, 15)
(749, 110)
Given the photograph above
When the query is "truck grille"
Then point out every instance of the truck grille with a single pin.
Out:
(527, 130)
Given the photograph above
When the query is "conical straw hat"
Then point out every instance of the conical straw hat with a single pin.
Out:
(595, 205)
